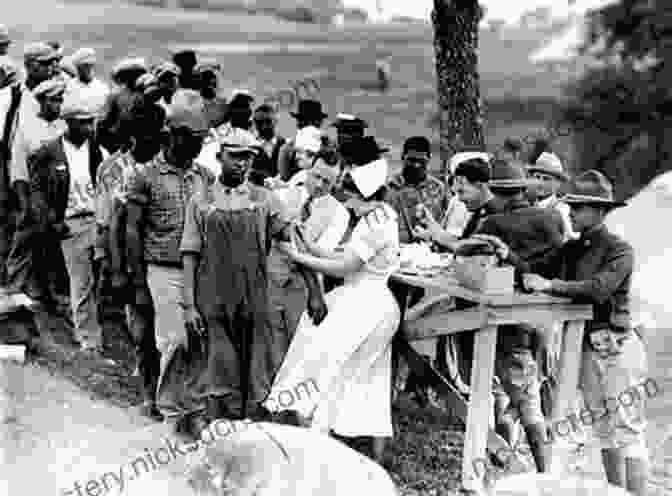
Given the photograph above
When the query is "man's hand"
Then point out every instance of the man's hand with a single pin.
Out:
(193, 320)
(534, 282)
(501, 248)
(317, 308)
(422, 233)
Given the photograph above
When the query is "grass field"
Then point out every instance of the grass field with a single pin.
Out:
(519, 98)
(517, 93)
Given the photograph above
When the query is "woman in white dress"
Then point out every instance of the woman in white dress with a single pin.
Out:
(347, 356)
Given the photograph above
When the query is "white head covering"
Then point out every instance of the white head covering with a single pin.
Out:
(308, 138)
(460, 157)
(370, 177)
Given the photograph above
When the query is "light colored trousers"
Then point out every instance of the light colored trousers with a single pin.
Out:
(78, 254)
(166, 285)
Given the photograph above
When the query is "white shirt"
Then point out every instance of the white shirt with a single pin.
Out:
(31, 132)
(456, 217)
(94, 94)
(82, 194)
(563, 208)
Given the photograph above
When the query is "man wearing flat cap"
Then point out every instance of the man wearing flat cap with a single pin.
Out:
(18, 105)
(156, 199)
(597, 268)
(63, 177)
(167, 76)
(30, 135)
(119, 104)
(215, 106)
(227, 295)
(86, 86)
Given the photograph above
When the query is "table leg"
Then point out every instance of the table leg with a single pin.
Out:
(480, 407)
(568, 380)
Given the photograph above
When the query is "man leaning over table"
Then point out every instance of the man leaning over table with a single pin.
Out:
(597, 268)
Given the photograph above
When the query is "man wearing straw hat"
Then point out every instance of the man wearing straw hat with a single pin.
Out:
(550, 176)
(597, 268)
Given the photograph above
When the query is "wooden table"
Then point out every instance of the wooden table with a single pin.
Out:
(490, 311)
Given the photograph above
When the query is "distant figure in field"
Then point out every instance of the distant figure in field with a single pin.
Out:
(384, 73)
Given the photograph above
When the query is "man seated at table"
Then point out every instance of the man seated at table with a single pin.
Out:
(597, 268)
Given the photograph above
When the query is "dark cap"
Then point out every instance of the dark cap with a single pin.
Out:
(417, 144)
(475, 170)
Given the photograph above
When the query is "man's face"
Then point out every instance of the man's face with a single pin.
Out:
(470, 193)
(415, 167)
(50, 107)
(145, 147)
(81, 128)
(209, 83)
(584, 217)
(168, 84)
(545, 184)
(41, 70)
(321, 179)
(304, 158)
(86, 72)
(235, 166)
(265, 123)
(186, 143)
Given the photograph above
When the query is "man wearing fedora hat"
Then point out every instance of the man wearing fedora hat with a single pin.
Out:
(549, 176)
(309, 113)
(597, 268)
(530, 235)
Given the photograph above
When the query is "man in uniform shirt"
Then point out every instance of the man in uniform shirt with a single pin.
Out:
(597, 268)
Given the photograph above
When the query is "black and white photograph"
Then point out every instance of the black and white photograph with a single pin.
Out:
(335, 248)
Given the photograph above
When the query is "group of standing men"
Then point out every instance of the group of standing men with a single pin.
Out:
(96, 183)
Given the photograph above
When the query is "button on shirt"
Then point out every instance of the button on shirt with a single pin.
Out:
(81, 200)
(164, 191)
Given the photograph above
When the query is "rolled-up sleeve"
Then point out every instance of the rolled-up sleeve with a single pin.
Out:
(332, 235)
(192, 236)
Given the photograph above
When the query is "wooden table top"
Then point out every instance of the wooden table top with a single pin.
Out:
(444, 281)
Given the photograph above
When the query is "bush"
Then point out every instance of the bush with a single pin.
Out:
(297, 14)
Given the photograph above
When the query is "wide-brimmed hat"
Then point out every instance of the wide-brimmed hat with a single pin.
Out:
(592, 188)
(348, 121)
(549, 163)
(309, 110)
(363, 150)
(508, 175)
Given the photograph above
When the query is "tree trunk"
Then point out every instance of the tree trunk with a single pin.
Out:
(458, 86)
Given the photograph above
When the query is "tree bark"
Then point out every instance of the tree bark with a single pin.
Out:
(458, 85)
